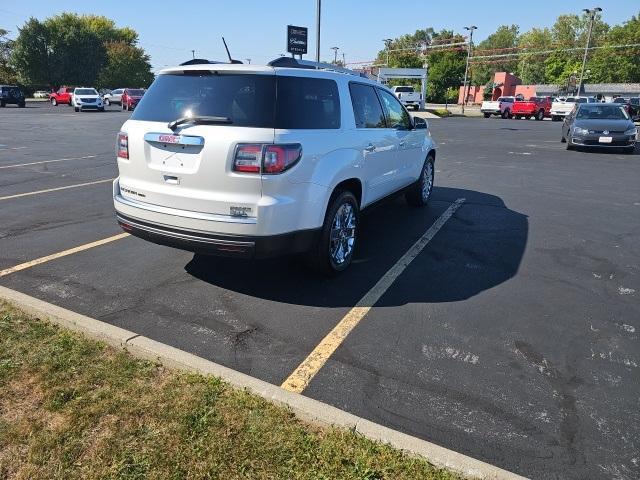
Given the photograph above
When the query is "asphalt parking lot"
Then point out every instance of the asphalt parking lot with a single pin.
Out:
(513, 337)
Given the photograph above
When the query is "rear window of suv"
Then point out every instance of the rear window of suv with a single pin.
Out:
(248, 100)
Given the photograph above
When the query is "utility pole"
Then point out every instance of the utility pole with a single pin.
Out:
(335, 54)
(318, 9)
(193, 54)
(466, 70)
(387, 43)
(344, 63)
(592, 13)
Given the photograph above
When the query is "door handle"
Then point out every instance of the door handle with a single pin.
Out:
(370, 148)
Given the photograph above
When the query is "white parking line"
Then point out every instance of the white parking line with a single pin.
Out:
(47, 161)
(12, 148)
(56, 189)
(302, 376)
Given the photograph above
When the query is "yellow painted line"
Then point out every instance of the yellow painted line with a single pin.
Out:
(302, 376)
(47, 161)
(56, 189)
(71, 251)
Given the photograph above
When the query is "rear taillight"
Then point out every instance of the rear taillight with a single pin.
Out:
(248, 158)
(122, 145)
(266, 158)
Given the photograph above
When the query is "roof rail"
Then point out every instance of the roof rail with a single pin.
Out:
(307, 64)
(199, 61)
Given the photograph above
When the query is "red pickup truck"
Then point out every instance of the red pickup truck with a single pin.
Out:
(535, 107)
(63, 95)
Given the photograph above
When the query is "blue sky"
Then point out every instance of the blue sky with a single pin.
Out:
(256, 29)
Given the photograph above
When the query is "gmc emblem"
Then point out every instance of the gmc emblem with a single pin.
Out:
(169, 138)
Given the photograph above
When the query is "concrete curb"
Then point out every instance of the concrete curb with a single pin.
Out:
(303, 407)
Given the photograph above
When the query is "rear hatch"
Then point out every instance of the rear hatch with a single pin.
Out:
(190, 166)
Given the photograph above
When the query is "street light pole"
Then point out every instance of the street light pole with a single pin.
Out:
(387, 43)
(466, 69)
(193, 54)
(318, 9)
(592, 13)
(344, 62)
(335, 54)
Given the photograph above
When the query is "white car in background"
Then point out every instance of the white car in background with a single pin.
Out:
(115, 97)
(41, 94)
(501, 107)
(255, 161)
(86, 99)
(562, 108)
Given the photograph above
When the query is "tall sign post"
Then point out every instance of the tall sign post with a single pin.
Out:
(297, 40)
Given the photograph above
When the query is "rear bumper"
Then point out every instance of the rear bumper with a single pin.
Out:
(558, 113)
(218, 244)
(492, 111)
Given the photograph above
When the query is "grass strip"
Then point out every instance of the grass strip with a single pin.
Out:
(74, 408)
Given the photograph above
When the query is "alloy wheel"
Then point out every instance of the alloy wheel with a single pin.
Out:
(343, 234)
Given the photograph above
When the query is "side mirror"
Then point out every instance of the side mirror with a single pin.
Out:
(420, 123)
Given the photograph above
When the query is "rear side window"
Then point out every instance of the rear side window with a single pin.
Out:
(366, 106)
(404, 89)
(311, 103)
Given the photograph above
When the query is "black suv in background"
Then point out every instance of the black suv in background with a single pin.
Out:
(10, 94)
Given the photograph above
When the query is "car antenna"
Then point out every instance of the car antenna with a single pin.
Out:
(231, 60)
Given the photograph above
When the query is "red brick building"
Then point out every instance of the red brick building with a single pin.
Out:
(506, 84)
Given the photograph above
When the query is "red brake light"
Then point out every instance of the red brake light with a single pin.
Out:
(122, 145)
(248, 158)
(266, 158)
(278, 158)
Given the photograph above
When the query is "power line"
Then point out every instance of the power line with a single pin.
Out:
(545, 52)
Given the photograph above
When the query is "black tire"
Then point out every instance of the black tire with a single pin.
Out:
(320, 258)
(22, 105)
(569, 145)
(487, 115)
(419, 194)
(76, 109)
(2, 104)
(540, 115)
(517, 117)
(556, 118)
(101, 109)
(54, 102)
(505, 114)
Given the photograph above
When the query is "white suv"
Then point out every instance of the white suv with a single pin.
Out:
(86, 99)
(255, 161)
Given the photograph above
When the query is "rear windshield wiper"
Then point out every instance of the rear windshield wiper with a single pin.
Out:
(199, 120)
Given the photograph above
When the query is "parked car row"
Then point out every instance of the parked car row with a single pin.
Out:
(90, 99)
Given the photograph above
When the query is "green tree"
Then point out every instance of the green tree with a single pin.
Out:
(617, 64)
(446, 68)
(7, 72)
(126, 66)
(531, 66)
(503, 41)
(67, 48)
